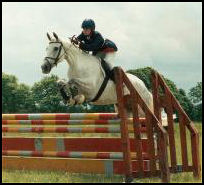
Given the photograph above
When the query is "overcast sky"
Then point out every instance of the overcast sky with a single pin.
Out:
(165, 36)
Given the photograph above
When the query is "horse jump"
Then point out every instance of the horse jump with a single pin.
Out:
(71, 151)
(135, 156)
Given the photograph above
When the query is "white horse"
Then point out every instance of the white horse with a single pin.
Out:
(86, 73)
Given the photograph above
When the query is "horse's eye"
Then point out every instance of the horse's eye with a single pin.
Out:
(55, 48)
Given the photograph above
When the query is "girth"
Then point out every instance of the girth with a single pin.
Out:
(105, 82)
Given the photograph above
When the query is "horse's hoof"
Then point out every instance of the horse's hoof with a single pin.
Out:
(71, 102)
(79, 99)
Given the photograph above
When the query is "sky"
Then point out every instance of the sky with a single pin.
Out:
(164, 36)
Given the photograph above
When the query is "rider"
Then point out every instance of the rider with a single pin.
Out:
(92, 40)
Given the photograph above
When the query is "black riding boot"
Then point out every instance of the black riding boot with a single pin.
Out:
(108, 70)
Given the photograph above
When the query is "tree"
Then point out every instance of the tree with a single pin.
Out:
(145, 75)
(15, 97)
(197, 112)
(195, 93)
(46, 95)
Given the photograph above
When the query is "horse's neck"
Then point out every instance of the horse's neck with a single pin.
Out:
(81, 65)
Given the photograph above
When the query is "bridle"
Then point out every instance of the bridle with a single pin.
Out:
(60, 48)
(58, 55)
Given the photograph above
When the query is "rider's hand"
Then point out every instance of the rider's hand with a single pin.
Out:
(80, 45)
(75, 41)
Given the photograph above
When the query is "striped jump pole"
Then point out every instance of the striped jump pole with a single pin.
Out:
(68, 122)
(66, 130)
(61, 116)
(70, 154)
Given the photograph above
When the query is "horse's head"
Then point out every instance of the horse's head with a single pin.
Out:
(55, 53)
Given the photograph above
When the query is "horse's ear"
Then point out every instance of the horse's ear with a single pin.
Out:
(55, 35)
(48, 36)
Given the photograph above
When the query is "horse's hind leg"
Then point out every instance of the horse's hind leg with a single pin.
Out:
(128, 106)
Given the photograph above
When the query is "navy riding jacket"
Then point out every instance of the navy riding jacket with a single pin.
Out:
(95, 42)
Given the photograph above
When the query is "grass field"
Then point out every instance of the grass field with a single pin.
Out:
(24, 176)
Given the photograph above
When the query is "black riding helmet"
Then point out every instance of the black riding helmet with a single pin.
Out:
(88, 23)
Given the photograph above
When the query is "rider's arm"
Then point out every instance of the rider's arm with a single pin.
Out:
(95, 45)
(80, 37)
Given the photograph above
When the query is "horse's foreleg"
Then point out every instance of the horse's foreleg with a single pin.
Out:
(67, 99)
(74, 97)
(62, 86)
(79, 99)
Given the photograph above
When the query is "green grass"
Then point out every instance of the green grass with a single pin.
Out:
(22, 176)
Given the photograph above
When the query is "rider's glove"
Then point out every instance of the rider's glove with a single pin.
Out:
(75, 41)
(81, 45)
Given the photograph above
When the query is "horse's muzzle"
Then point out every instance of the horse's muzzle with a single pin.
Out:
(46, 67)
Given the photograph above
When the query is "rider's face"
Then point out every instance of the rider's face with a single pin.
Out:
(86, 31)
